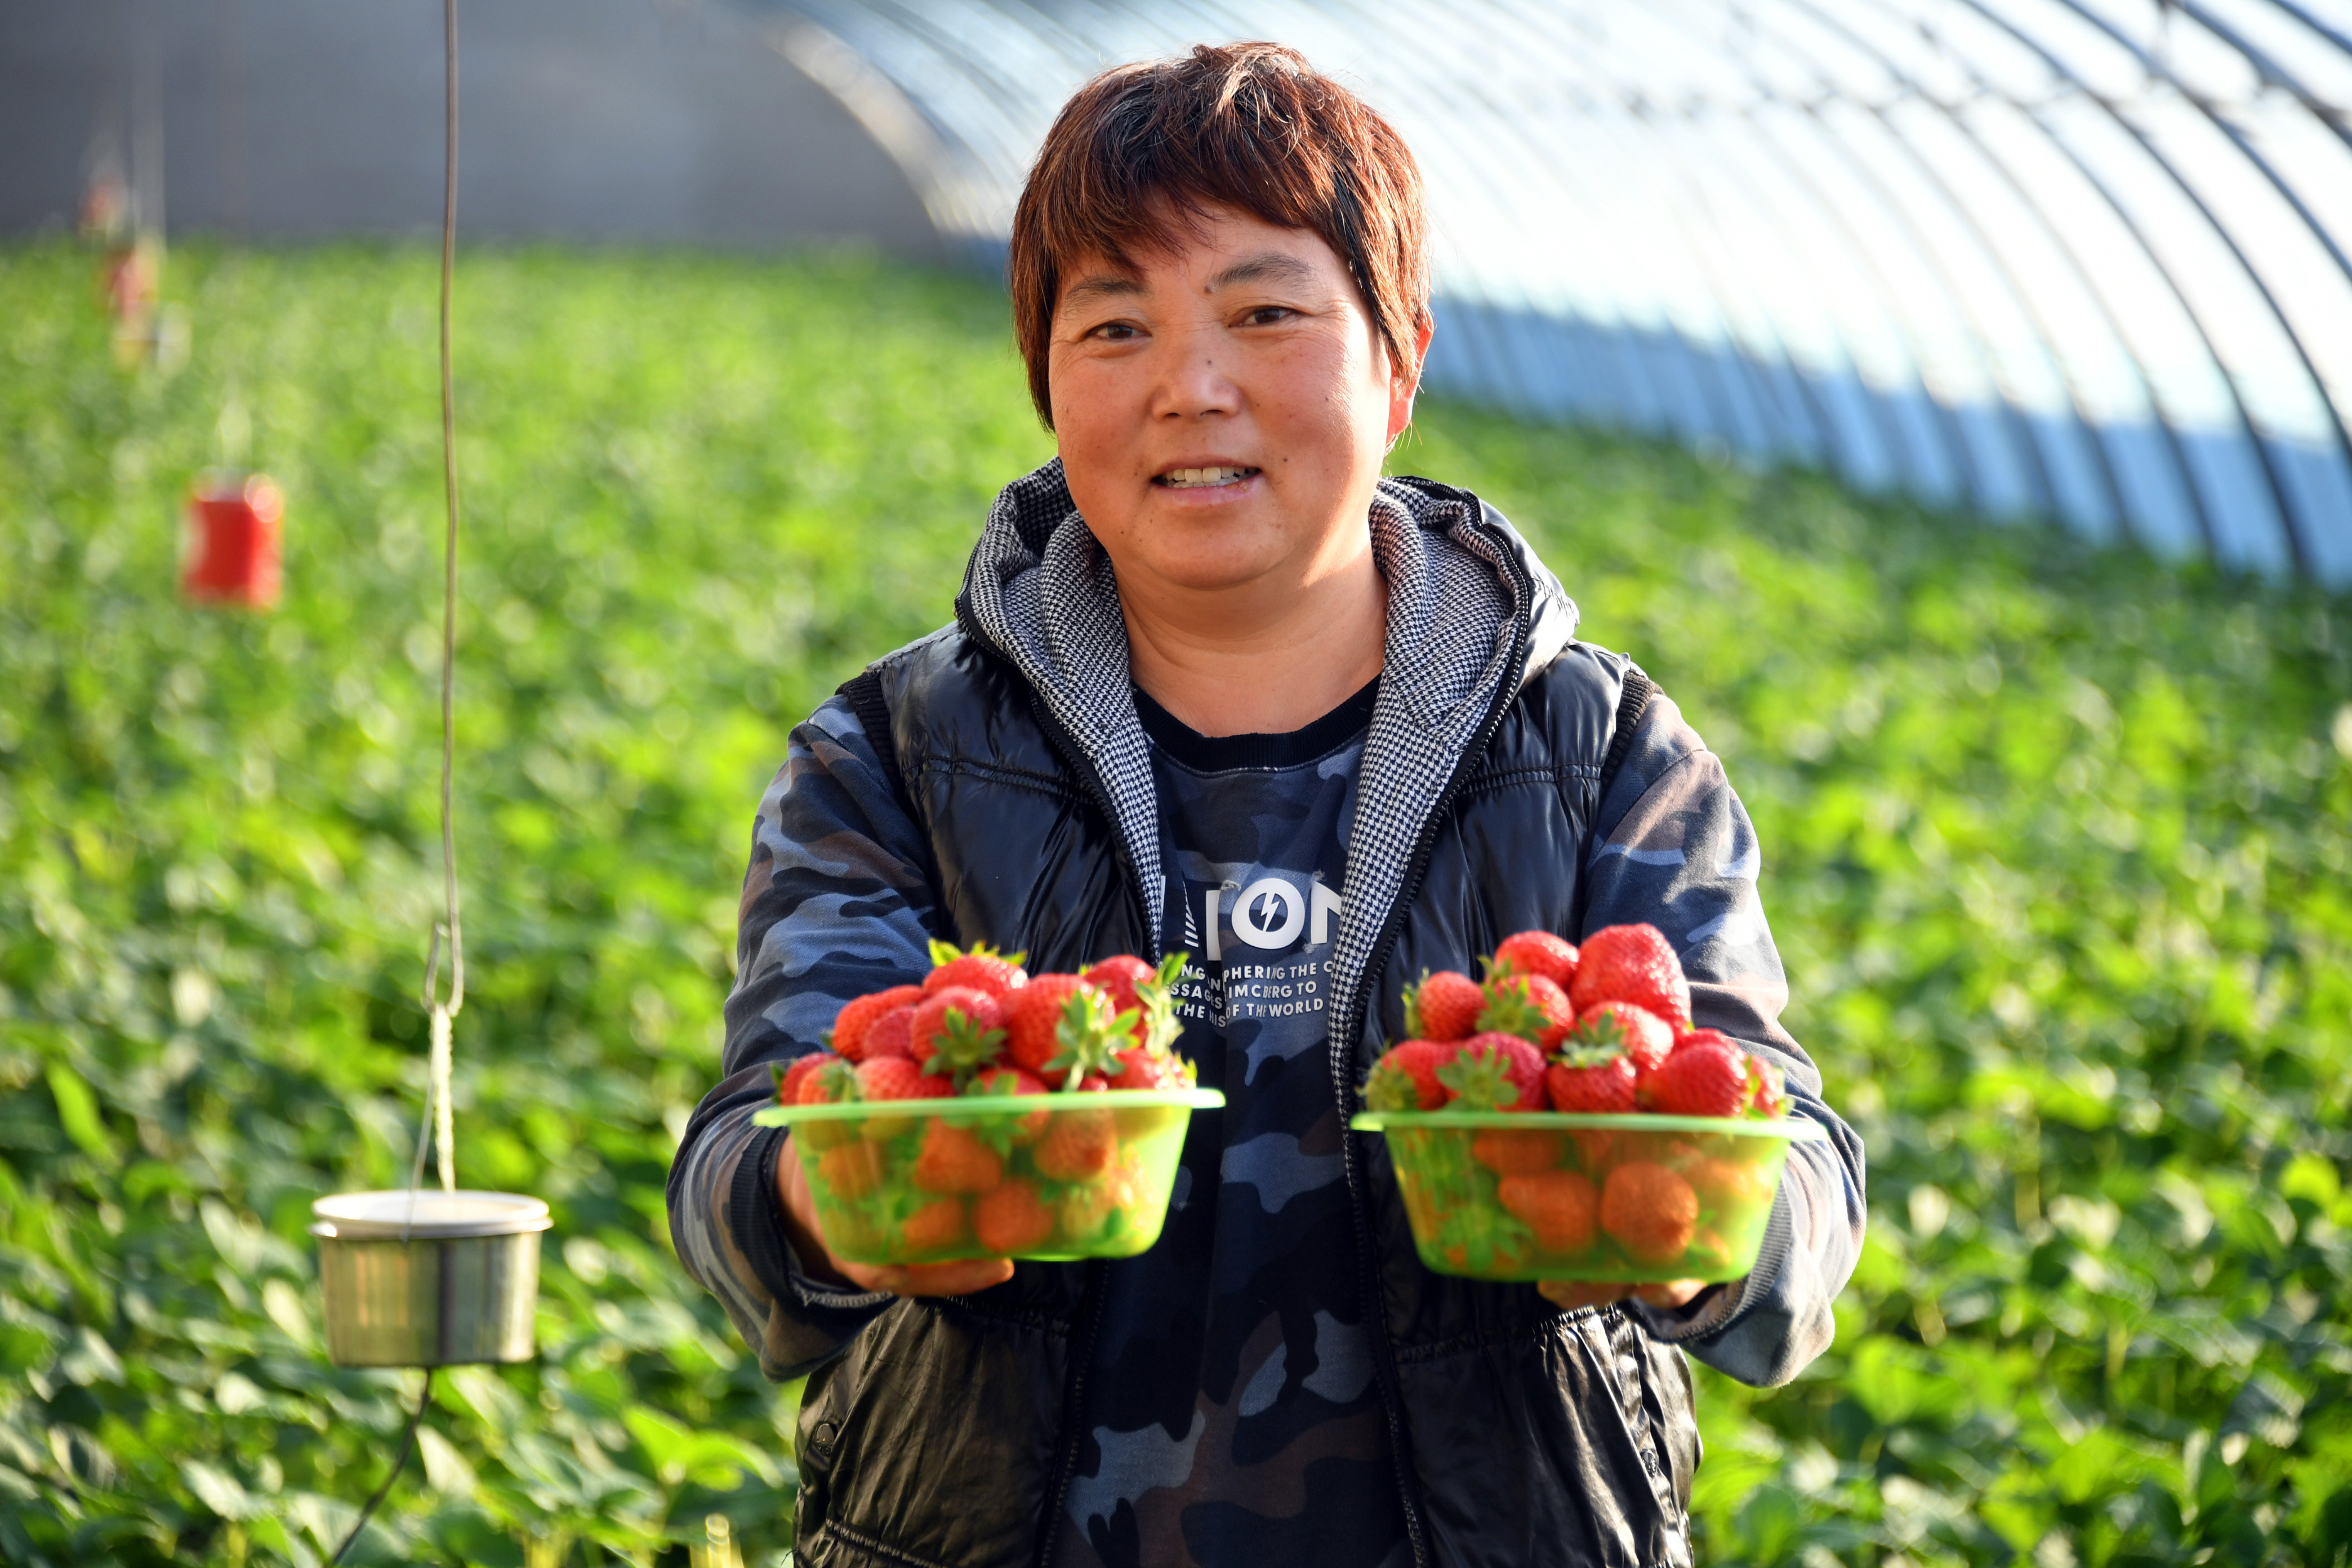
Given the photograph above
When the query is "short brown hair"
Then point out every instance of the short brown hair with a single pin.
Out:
(1249, 126)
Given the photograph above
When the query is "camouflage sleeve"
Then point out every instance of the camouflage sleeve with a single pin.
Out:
(1673, 846)
(835, 904)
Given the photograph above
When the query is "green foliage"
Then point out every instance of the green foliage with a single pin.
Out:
(2057, 849)
(699, 494)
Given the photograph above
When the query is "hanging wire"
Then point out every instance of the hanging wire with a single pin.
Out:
(450, 931)
(399, 1463)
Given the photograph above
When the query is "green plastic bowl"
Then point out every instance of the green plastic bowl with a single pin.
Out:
(1496, 1194)
(1052, 1176)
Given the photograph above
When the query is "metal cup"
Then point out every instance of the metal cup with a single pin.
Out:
(428, 1278)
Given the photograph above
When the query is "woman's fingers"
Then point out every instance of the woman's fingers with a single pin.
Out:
(1573, 1294)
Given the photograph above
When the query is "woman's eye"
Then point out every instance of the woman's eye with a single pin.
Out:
(1267, 315)
(1113, 331)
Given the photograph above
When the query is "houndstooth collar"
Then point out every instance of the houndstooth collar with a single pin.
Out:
(1470, 607)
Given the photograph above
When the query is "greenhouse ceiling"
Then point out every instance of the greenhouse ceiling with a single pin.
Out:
(2079, 258)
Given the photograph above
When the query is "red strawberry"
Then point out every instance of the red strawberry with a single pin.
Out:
(831, 1082)
(891, 1035)
(1558, 1206)
(1702, 1079)
(1012, 1219)
(936, 1226)
(1405, 1078)
(849, 1028)
(963, 1026)
(1539, 953)
(1443, 1006)
(1077, 1146)
(1031, 1016)
(983, 969)
(850, 1169)
(1767, 1089)
(1496, 1072)
(1592, 1080)
(1651, 1210)
(1508, 1152)
(1644, 1036)
(895, 1078)
(789, 1078)
(1732, 1183)
(1117, 978)
(954, 1160)
(1703, 1037)
(1529, 1006)
(1004, 1082)
(1143, 1067)
(1633, 963)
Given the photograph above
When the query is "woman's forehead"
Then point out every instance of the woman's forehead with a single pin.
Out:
(1215, 250)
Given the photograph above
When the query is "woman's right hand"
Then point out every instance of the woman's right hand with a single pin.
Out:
(899, 1278)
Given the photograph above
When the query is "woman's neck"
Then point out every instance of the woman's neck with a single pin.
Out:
(1259, 663)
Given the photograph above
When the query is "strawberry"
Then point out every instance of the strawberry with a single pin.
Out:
(983, 969)
(849, 1028)
(1004, 1082)
(1729, 1182)
(790, 1076)
(954, 1160)
(1012, 1219)
(1445, 1006)
(1077, 1146)
(1558, 1206)
(1646, 1038)
(1143, 1067)
(1117, 978)
(1633, 963)
(850, 1171)
(936, 1226)
(1529, 1006)
(1701, 1079)
(1089, 1036)
(895, 1078)
(1767, 1089)
(1405, 1078)
(891, 1035)
(1539, 953)
(962, 1027)
(1031, 1015)
(831, 1082)
(1592, 1080)
(1508, 1152)
(1496, 1072)
(1650, 1210)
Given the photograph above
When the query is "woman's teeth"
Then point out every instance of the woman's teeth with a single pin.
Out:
(1193, 479)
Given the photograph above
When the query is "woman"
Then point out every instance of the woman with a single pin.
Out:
(1216, 686)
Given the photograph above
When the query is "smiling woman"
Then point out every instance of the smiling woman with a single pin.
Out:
(1217, 687)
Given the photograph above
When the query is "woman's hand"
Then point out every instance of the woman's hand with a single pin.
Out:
(1574, 1293)
(899, 1279)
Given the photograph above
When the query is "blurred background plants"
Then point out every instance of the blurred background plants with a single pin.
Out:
(2056, 841)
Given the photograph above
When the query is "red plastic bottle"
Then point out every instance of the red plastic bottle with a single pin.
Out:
(233, 544)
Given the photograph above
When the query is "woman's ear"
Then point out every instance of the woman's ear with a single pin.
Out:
(1405, 380)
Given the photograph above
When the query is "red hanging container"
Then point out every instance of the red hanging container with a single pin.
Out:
(233, 545)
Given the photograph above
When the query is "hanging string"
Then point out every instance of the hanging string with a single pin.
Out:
(450, 931)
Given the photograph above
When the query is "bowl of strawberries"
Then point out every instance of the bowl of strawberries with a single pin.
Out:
(990, 1113)
(1563, 1120)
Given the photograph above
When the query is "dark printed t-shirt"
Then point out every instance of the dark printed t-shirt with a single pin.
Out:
(1232, 1414)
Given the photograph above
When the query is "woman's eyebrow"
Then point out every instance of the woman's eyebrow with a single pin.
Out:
(1265, 267)
(1102, 286)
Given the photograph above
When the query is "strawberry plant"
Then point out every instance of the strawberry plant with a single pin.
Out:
(2054, 841)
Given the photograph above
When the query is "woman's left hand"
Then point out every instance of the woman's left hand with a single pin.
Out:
(1575, 1293)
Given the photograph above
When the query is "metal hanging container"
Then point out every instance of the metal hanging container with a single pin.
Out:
(428, 1278)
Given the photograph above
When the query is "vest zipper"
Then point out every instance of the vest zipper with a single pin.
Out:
(1343, 1053)
(1087, 1326)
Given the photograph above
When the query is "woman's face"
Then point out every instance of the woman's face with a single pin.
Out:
(1223, 409)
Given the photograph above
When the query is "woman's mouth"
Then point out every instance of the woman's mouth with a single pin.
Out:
(1201, 479)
